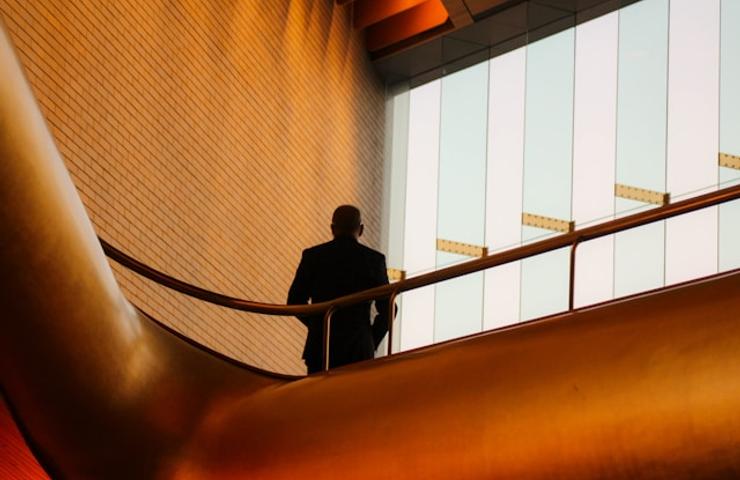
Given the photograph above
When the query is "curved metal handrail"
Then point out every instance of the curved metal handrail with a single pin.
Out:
(200, 293)
(572, 239)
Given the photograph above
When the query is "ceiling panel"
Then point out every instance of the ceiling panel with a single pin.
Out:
(499, 26)
(496, 28)
(477, 7)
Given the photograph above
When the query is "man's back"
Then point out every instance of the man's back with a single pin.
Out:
(331, 270)
(346, 266)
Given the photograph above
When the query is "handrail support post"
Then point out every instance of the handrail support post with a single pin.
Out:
(391, 319)
(327, 337)
(572, 274)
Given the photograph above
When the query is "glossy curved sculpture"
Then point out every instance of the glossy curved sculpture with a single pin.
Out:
(646, 388)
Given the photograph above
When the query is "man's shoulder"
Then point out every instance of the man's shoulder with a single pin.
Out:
(328, 248)
(317, 249)
(372, 253)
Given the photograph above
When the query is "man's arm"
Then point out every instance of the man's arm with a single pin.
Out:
(380, 324)
(299, 292)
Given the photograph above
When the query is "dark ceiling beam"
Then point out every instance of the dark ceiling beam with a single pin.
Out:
(459, 13)
(476, 7)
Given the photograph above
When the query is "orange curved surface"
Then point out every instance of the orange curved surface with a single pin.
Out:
(644, 388)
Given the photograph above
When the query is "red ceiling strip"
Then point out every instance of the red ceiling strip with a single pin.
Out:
(406, 24)
(370, 12)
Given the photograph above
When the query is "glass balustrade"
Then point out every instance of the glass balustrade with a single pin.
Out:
(461, 196)
(729, 132)
(504, 173)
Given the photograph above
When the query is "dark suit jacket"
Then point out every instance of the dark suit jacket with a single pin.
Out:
(332, 270)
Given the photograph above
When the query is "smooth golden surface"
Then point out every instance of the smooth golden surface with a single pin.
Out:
(645, 388)
(103, 393)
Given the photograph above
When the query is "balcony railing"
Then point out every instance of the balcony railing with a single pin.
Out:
(570, 239)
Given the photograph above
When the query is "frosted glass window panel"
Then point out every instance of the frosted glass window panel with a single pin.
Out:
(505, 149)
(639, 254)
(693, 100)
(545, 280)
(639, 259)
(549, 126)
(417, 314)
(693, 134)
(595, 118)
(420, 238)
(691, 246)
(729, 213)
(462, 156)
(730, 78)
(641, 119)
(420, 235)
(594, 281)
(729, 224)
(462, 195)
(504, 184)
(397, 121)
(728, 177)
(548, 153)
(394, 189)
(501, 296)
(459, 303)
(594, 152)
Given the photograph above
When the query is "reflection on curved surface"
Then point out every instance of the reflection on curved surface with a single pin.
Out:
(645, 388)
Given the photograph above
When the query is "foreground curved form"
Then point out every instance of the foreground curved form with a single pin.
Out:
(642, 388)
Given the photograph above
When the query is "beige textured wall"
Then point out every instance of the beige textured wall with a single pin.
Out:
(211, 139)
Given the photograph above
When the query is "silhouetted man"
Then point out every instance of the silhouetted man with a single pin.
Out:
(334, 269)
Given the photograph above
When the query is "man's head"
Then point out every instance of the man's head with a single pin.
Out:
(347, 222)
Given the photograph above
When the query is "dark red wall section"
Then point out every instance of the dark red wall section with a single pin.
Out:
(16, 460)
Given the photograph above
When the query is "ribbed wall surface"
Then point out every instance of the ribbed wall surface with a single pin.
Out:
(16, 460)
(211, 140)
